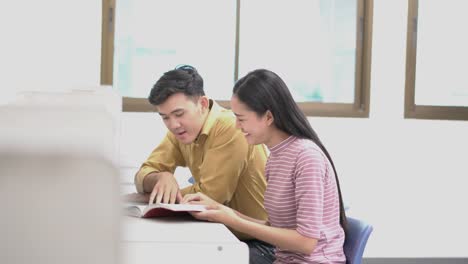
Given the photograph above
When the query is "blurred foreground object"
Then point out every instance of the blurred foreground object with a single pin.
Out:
(59, 179)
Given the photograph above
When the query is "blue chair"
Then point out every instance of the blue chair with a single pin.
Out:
(356, 239)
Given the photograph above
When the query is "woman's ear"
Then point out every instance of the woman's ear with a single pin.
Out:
(269, 117)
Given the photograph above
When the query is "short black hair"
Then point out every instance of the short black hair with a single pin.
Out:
(183, 79)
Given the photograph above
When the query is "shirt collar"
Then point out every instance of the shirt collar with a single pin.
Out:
(215, 110)
(282, 145)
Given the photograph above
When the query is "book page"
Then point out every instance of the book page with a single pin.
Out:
(182, 207)
(134, 209)
(160, 209)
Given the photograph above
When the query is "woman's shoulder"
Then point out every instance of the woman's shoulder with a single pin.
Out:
(305, 144)
(308, 149)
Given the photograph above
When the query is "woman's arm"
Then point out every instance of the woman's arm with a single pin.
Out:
(286, 239)
(248, 218)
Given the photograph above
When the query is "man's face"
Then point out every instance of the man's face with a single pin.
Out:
(184, 116)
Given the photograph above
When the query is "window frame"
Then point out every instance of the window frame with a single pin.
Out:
(359, 108)
(412, 110)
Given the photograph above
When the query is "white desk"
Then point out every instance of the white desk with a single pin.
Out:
(178, 240)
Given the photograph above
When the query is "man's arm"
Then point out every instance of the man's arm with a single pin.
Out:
(165, 158)
(149, 181)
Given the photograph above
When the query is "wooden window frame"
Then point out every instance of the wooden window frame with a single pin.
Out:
(359, 108)
(412, 110)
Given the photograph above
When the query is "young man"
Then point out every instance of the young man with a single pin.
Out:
(203, 137)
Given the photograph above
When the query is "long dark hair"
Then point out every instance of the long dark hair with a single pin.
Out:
(262, 90)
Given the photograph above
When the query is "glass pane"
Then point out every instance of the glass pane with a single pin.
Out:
(311, 44)
(153, 36)
(442, 54)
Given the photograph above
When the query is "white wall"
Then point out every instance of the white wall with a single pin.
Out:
(406, 177)
(49, 45)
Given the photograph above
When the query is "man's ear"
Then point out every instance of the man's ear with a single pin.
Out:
(205, 102)
(269, 117)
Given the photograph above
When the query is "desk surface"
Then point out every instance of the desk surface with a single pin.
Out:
(175, 229)
(177, 239)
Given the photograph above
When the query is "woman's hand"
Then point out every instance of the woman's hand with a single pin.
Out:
(215, 212)
(199, 198)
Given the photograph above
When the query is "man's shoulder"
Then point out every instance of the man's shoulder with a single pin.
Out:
(225, 119)
(224, 128)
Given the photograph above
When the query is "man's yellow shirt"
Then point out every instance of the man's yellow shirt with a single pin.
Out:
(224, 166)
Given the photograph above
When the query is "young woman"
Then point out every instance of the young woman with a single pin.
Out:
(306, 219)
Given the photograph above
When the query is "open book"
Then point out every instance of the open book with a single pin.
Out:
(161, 209)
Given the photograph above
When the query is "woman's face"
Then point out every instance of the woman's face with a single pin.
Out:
(256, 128)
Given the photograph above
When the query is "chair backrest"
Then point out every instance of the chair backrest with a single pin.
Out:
(356, 239)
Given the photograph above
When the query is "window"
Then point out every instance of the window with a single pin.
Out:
(436, 83)
(320, 48)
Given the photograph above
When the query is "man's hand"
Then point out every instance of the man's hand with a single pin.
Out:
(165, 190)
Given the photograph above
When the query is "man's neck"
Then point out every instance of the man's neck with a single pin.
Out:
(206, 114)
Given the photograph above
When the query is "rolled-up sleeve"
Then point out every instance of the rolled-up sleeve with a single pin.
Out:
(165, 157)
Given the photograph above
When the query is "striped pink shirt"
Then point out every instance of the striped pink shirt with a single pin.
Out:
(302, 194)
